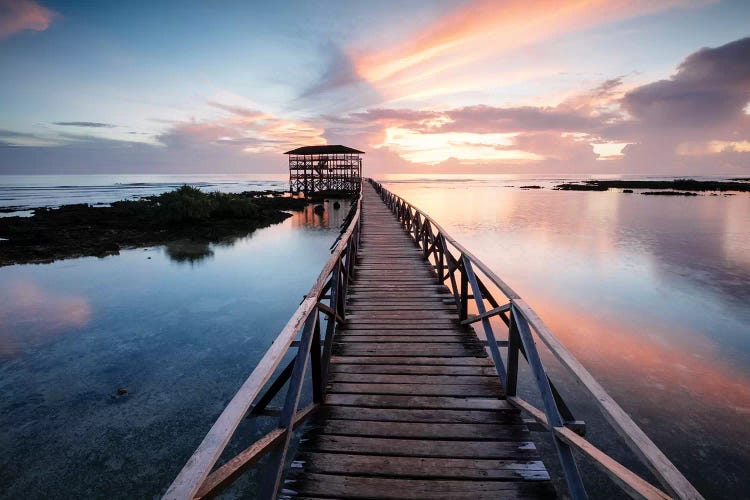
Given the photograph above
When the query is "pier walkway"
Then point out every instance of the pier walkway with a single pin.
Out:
(384, 390)
(414, 407)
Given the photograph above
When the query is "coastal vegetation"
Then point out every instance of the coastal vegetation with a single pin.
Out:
(183, 214)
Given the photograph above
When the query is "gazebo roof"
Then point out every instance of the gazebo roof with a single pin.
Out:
(324, 150)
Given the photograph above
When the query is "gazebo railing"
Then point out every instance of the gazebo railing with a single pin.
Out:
(469, 280)
(197, 479)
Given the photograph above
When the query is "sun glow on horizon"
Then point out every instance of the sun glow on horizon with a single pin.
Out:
(437, 147)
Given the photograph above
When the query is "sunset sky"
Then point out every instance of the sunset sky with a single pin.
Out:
(538, 86)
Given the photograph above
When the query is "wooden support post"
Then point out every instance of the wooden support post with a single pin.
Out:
(316, 370)
(464, 295)
(570, 469)
(331, 327)
(497, 359)
(275, 466)
(514, 343)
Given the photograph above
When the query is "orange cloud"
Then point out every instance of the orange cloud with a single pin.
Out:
(481, 31)
(20, 15)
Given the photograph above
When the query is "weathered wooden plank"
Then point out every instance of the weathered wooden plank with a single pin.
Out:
(406, 369)
(438, 337)
(402, 350)
(406, 332)
(421, 402)
(426, 430)
(422, 447)
(379, 315)
(400, 325)
(402, 306)
(416, 360)
(427, 467)
(406, 489)
(457, 390)
(376, 378)
(511, 416)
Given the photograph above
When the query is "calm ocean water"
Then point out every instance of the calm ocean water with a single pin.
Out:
(652, 294)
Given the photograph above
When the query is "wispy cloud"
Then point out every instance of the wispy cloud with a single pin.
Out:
(699, 111)
(85, 124)
(21, 15)
(472, 38)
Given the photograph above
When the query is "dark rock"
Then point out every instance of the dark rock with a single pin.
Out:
(675, 184)
(531, 187)
(627, 190)
(183, 214)
(319, 209)
(670, 193)
(336, 205)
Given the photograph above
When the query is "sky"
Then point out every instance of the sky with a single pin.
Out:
(658, 87)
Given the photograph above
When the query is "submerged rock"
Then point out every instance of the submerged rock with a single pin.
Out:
(336, 205)
(319, 209)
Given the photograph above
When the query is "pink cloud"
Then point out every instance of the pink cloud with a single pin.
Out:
(20, 15)
(467, 38)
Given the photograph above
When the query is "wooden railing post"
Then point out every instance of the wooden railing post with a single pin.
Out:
(497, 359)
(463, 312)
(335, 303)
(514, 342)
(275, 466)
(316, 368)
(570, 469)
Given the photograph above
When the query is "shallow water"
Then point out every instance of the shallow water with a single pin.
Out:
(652, 294)
(179, 326)
(22, 192)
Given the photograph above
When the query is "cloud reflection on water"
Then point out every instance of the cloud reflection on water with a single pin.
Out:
(32, 316)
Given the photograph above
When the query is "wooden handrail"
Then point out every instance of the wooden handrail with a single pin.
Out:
(417, 224)
(194, 473)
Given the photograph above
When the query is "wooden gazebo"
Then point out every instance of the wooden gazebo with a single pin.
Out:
(324, 168)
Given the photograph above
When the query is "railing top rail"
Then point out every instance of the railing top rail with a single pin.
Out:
(197, 468)
(502, 285)
(645, 449)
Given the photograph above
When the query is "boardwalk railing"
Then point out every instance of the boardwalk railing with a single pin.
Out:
(326, 298)
(469, 279)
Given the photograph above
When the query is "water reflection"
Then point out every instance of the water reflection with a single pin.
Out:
(32, 316)
(330, 218)
(190, 251)
(652, 294)
(180, 338)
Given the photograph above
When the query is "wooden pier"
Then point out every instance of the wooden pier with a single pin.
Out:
(405, 400)
(414, 407)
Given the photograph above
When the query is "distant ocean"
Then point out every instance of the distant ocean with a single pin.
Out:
(25, 192)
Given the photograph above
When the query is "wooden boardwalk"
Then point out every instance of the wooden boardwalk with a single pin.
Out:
(404, 402)
(414, 407)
